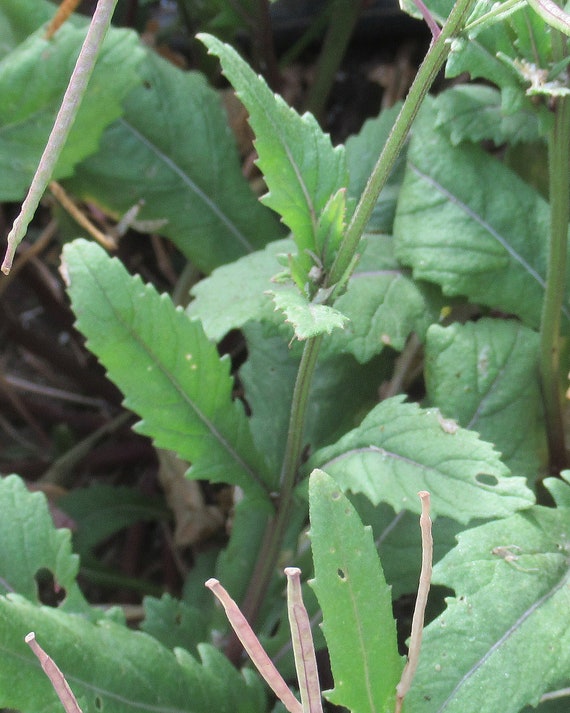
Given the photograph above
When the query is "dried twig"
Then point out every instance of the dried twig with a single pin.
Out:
(60, 685)
(62, 126)
(108, 242)
(419, 611)
(66, 9)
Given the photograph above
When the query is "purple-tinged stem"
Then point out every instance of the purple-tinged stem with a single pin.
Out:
(303, 646)
(255, 650)
(62, 126)
(428, 18)
(60, 685)
(419, 610)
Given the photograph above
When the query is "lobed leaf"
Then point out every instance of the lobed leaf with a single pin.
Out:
(485, 376)
(383, 303)
(170, 373)
(356, 602)
(30, 543)
(474, 112)
(307, 318)
(33, 78)
(468, 223)
(559, 488)
(112, 668)
(174, 623)
(237, 293)
(301, 168)
(504, 640)
(399, 449)
(173, 150)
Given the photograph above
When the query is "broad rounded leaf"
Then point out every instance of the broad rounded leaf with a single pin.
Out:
(468, 223)
(485, 376)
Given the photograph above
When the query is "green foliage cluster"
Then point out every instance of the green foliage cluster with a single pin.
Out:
(456, 231)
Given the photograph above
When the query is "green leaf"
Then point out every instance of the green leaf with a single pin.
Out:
(471, 225)
(307, 318)
(174, 623)
(399, 449)
(474, 112)
(173, 150)
(33, 79)
(505, 639)
(31, 543)
(301, 168)
(485, 376)
(237, 293)
(19, 18)
(101, 510)
(111, 668)
(383, 303)
(362, 151)
(357, 606)
(559, 488)
(170, 373)
(517, 53)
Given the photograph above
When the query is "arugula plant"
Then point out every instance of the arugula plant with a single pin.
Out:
(383, 256)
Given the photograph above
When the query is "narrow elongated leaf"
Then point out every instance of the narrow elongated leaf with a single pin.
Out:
(173, 150)
(33, 78)
(485, 376)
(383, 304)
(471, 225)
(505, 639)
(301, 168)
(170, 373)
(112, 668)
(399, 449)
(357, 606)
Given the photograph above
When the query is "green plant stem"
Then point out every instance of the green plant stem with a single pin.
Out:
(436, 56)
(559, 184)
(343, 18)
(273, 537)
(277, 525)
(64, 121)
